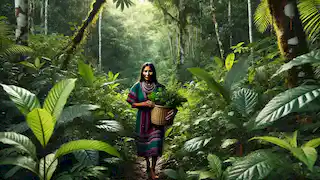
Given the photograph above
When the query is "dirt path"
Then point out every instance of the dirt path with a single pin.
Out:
(137, 170)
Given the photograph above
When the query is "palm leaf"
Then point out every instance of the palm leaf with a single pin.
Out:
(14, 50)
(86, 145)
(22, 161)
(24, 99)
(292, 100)
(19, 141)
(310, 16)
(41, 123)
(58, 96)
(262, 16)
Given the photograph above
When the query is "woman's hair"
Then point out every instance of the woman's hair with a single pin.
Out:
(154, 75)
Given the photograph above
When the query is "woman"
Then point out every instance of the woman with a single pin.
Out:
(149, 136)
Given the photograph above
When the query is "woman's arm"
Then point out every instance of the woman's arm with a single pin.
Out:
(147, 103)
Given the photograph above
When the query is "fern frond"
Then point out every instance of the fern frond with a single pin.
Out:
(310, 16)
(262, 16)
(14, 50)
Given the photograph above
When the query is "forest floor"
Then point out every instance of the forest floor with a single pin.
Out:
(137, 170)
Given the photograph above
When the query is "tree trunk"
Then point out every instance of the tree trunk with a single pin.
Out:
(41, 16)
(100, 40)
(170, 45)
(78, 37)
(21, 9)
(250, 21)
(291, 37)
(229, 21)
(181, 31)
(216, 27)
(31, 16)
(46, 2)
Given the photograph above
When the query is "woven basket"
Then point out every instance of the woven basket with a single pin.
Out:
(158, 116)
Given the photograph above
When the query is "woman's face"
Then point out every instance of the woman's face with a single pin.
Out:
(147, 73)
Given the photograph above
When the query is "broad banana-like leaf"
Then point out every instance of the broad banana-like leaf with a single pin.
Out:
(19, 141)
(245, 101)
(71, 112)
(50, 166)
(230, 60)
(196, 143)
(22, 161)
(279, 142)
(236, 74)
(312, 143)
(86, 72)
(212, 84)
(42, 125)
(24, 99)
(215, 165)
(313, 57)
(308, 155)
(292, 100)
(86, 145)
(58, 96)
(257, 165)
(110, 125)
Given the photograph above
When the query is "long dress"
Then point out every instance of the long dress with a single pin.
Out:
(149, 137)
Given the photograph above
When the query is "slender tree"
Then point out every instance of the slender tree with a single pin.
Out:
(100, 39)
(229, 21)
(216, 27)
(46, 3)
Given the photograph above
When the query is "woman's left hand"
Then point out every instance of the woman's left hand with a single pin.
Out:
(171, 114)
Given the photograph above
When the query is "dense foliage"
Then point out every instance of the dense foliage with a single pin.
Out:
(64, 114)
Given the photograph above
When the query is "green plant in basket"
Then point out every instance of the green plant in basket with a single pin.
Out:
(167, 98)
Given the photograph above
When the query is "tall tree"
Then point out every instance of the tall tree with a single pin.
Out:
(46, 3)
(229, 21)
(291, 37)
(100, 39)
(250, 21)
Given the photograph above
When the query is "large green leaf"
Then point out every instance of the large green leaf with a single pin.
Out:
(22, 161)
(24, 99)
(42, 125)
(292, 100)
(313, 57)
(110, 125)
(279, 142)
(86, 72)
(312, 143)
(292, 139)
(236, 74)
(257, 165)
(171, 173)
(71, 112)
(196, 143)
(87, 157)
(215, 165)
(228, 142)
(58, 96)
(308, 155)
(245, 101)
(86, 145)
(230, 60)
(262, 16)
(50, 166)
(19, 141)
(212, 84)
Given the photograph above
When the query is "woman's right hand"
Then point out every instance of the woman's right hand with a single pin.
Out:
(148, 103)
